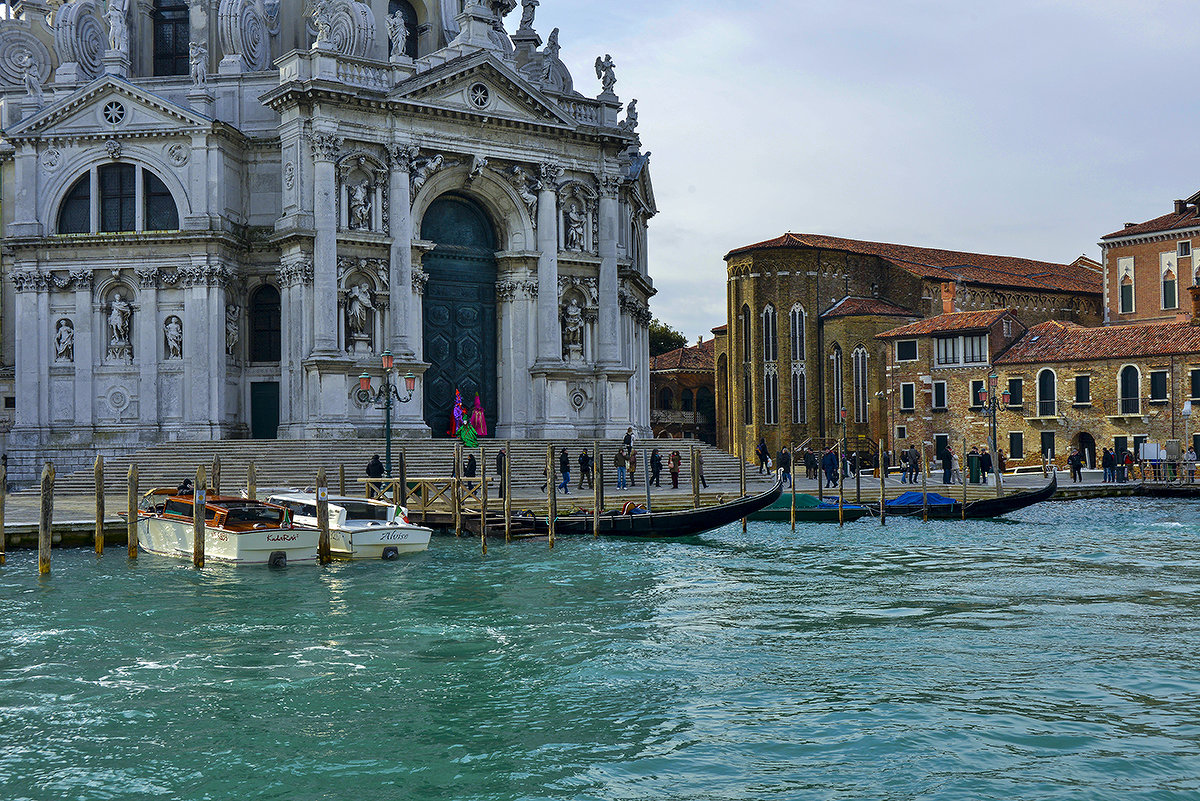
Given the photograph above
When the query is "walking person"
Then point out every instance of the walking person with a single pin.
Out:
(621, 462)
(785, 465)
(956, 476)
(1189, 465)
(914, 463)
(469, 471)
(829, 463)
(501, 458)
(764, 456)
(655, 467)
(628, 440)
(564, 467)
(633, 467)
(374, 470)
(673, 462)
(985, 464)
(810, 463)
(700, 468)
(585, 468)
(1075, 462)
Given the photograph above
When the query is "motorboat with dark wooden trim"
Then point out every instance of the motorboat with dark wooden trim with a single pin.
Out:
(238, 531)
(630, 522)
(912, 504)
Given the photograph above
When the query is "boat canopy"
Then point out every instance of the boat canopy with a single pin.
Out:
(913, 498)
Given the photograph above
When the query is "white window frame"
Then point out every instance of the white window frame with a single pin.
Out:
(901, 433)
(945, 404)
(916, 350)
(977, 386)
(1125, 268)
(912, 388)
(1168, 262)
(1183, 248)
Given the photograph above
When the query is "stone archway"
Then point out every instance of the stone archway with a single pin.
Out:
(1086, 444)
(459, 307)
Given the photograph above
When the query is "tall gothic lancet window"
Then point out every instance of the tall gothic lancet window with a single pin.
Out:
(799, 394)
(410, 24)
(796, 331)
(770, 335)
(747, 377)
(264, 324)
(172, 33)
(771, 394)
(861, 397)
(839, 400)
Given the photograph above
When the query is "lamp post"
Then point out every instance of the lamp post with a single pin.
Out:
(988, 398)
(383, 399)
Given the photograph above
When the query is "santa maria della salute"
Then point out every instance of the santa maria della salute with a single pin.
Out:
(219, 215)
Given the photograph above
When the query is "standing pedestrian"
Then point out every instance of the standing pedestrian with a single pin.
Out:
(763, 455)
(374, 470)
(564, 467)
(1108, 464)
(785, 465)
(621, 462)
(628, 441)
(700, 468)
(947, 464)
(914, 463)
(585, 468)
(673, 462)
(655, 467)
(469, 471)
(1189, 465)
(501, 458)
(829, 462)
(633, 466)
(1075, 463)
(985, 464)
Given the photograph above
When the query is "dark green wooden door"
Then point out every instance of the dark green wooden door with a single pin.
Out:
(264, 409)
(460, 310)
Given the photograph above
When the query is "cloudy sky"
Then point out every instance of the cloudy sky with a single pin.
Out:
(1027, 127)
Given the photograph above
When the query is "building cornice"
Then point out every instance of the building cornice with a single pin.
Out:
(1149, 238)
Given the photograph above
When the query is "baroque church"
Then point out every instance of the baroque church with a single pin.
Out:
(219, 214)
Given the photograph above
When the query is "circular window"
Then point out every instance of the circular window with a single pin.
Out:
(479, 95)
(113, 113)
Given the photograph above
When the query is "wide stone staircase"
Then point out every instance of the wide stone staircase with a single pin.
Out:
(294, 463)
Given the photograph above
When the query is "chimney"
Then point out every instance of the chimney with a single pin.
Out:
(1181, 207)
(948, 297)
(1130, 225)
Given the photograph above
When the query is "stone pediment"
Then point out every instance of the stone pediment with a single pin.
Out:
(456, 85)
(112, 107)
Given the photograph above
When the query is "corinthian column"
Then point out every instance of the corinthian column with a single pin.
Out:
(549, 337)
(325, 146)
(610, 312)
(400, 283)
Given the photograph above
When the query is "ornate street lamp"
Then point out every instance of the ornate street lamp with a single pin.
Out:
(383, 399)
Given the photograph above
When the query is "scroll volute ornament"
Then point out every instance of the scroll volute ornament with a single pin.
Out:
(246, 28)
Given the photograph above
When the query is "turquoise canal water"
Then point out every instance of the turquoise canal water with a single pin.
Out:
(1049, 656)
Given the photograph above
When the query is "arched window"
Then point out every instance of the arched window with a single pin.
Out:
(685, 400)
(665, 398)
(410, 23)
(796, 331)
(839, 400)
(1130, 390)
(126, 198)
(264, 325)
(747, 395)
(771, 394)
(75, 215)
(172, 33)
(770, 334)
(1047, 394)
(799, 394)
(861, 395)
(747, 348)
(1170, 290)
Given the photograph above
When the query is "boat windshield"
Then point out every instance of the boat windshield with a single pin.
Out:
(251, 512)
(361, 510)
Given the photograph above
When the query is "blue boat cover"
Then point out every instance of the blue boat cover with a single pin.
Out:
(914, 499)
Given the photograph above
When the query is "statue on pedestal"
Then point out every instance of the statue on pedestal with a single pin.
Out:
(606, 71)
(118, 28)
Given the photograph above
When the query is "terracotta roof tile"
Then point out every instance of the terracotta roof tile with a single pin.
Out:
(692, 359)
(857, 307)
(1168, 222)
(946, 323)
(951, 265)
(1056, 341)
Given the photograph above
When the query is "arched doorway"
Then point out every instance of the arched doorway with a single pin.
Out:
(459, 309)
(1086, 444)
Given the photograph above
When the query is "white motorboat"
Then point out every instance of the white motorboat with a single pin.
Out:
(359, 528)
(236, 530)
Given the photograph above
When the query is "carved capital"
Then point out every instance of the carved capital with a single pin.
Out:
(296, 272)
(148, 277)
(81, 279)
(419, 279)
(506, 291)
(325, 146)
(548, 175)
(610, 186)
(403, 156)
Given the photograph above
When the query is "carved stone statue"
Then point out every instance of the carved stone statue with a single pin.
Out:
(397, 33)
(521, 180)
(421, 174)
(606, 71)
(360, 206)
(64, 342)
(198, 61)
(31, 75)
(322, 17)
(550, 55)
(118, 29)
(478, 165)
(231, 329)
(630, 123)
(173, 330)
(576, 218)
(358, 310)
(573, 328)
(528, 9)
(119, 315)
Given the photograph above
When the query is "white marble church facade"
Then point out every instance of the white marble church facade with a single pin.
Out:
(218, 215)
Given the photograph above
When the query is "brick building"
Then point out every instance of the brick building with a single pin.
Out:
(682, 393)
(1069, 386)
(1149, 266)
(804, 312)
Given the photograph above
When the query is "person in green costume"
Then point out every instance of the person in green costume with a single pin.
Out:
(467, 436)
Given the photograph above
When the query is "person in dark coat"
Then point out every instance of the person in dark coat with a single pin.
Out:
(947, 464)
(764, 456)
(469, 470)
(985, 465)
(501, 458)
(564, 467)
(1075, 462)
(785, 464)
(374, 470)
(673, 463)
(914, 463)
(1108, 462)
(655, 467)
(628, 441)
(585, 468)
(829, 462)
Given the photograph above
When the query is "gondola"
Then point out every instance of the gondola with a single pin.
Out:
(662, 525)
(809, 509)
(976, 510)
